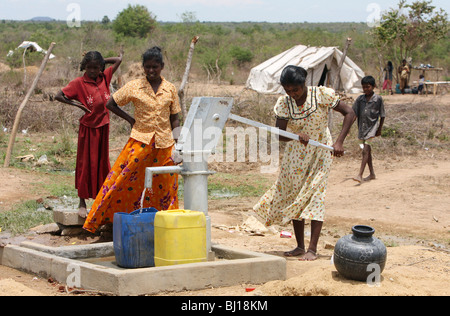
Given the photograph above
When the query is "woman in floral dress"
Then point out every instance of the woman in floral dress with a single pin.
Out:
(299, 192)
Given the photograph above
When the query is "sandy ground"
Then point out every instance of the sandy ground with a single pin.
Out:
(408, 205)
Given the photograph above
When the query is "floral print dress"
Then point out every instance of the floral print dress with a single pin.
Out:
(299, 192)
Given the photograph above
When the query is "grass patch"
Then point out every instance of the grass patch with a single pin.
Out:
(60, 151)
(223, 190)
(224, 186)
(61, 189)
(390, 243)
(23, 217)
(391, 132)
(219, 191)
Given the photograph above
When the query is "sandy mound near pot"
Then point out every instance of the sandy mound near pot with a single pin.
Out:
(410, 270)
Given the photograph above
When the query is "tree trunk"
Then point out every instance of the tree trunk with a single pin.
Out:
(186, 76)
(22, 106)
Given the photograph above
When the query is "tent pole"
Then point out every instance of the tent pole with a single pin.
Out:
(337, 80)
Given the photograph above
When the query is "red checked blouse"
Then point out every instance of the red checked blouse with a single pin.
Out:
(94, 95)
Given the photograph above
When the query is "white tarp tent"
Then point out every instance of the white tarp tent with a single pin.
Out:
(33, 46)
(320, 62)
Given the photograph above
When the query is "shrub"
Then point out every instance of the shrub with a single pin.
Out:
(241, 55)
(135, 21)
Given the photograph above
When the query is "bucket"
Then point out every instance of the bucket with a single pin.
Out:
(180, 237)
(133, 238)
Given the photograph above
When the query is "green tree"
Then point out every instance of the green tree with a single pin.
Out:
(241, 55)
(188, 17)
(400, 34)
(106, 20)
(134, 21)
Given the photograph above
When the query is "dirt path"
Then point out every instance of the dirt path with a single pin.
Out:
(19, 185)
(408, 205)
(409, 197)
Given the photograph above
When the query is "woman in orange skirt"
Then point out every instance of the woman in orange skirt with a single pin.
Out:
(150, 145)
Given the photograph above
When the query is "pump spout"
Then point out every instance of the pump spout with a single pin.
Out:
(149, 172)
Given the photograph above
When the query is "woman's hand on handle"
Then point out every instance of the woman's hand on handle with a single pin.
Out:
(303, 138)
(338, 149)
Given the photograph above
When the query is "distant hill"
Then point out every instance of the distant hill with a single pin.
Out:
(42, 19)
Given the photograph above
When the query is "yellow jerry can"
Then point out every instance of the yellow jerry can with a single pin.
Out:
(180, 237)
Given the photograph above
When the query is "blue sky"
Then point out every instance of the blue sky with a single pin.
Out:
(209, 10)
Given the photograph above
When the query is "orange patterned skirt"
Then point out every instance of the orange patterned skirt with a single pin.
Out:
(123, 187)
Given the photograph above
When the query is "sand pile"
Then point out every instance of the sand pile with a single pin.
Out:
(135, 71)
(4, 68)
(9, 287)
(410, 270)
(31, 70)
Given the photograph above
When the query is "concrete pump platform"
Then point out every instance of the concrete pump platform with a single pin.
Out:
(93, 267)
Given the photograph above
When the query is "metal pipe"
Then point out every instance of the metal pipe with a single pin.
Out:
(149, 172)
(277, 131)
(195, 176)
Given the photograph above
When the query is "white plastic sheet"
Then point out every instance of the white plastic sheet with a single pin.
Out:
(34, 45)
(265, 78)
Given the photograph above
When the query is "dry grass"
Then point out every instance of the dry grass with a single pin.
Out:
(421, 124)
(414, 124)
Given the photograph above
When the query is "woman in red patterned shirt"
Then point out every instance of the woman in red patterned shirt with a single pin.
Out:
(90, 93)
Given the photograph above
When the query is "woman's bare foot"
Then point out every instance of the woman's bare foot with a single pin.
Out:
(370, 177)
(82, 212)
(82, 209)
(294, 253)
(309, 256)
(357, 179)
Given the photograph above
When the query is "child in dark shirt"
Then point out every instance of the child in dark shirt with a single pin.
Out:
(370, 113)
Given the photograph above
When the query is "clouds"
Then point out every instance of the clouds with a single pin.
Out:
(206, 10)
(167, 10)
(215, 3)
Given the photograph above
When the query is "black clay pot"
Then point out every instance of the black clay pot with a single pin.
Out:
(355, 254)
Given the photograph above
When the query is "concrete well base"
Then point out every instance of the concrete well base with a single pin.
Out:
(92, 267)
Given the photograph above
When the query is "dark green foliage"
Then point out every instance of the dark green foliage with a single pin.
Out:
(135, 21)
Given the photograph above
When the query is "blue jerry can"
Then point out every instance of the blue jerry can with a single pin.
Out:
(134, 238)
